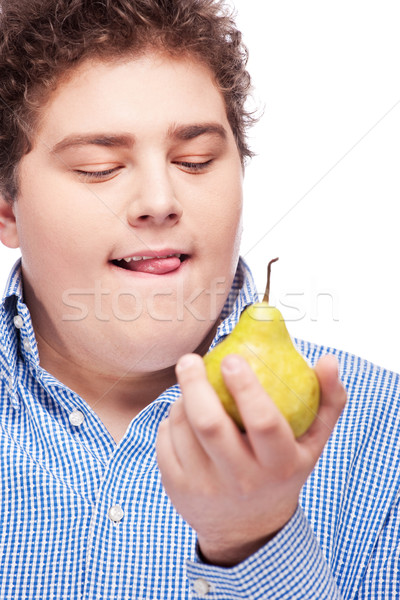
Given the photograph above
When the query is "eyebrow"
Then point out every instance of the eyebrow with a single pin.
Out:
(109, 141)
(189, 132)
(177, 132)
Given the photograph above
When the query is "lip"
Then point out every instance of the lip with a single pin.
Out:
(121, 272)
(163, 252)
(117, 263)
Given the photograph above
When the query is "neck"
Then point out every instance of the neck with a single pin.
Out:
(116, 399)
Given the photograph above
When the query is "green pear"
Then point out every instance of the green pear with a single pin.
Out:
(262, 338)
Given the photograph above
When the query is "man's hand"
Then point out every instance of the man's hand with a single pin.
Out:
(237, 490)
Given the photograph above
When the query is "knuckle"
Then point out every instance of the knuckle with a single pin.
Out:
(175, 483)
(265, 422)
(207, 425)
(177, 418)
(208, 489)
(287, 471)
(243, 487)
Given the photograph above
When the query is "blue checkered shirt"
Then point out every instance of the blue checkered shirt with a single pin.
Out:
(85, 518)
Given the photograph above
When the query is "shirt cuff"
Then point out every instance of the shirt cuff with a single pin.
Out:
(290, 566)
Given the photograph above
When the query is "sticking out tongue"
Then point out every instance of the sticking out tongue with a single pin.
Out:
(156, 266)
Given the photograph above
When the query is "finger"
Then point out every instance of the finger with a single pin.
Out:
(213, 427)
(187, 448)
(269, 434)
(332, 402)
(169, 465)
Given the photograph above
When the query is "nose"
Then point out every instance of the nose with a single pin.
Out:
(153, 201)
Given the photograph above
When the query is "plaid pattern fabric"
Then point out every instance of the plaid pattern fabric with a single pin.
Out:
(83, 517)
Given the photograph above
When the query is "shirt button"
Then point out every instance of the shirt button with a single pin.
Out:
(76, 418)
(27, 345)
(201, 587)
(18, 322)
(116, 513)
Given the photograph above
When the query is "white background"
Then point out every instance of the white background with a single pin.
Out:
(324, 190)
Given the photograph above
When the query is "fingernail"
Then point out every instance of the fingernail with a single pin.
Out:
(185, 362)
(231, 364)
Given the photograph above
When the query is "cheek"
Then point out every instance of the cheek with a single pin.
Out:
(223, 219)
(221, 196)
(54, 239)
(222, 243)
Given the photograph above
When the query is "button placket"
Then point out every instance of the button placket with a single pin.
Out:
(27, 345)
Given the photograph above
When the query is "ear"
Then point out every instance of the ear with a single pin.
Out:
(8, 225)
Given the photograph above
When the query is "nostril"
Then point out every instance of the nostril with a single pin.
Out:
(170, 217)
(156, 219)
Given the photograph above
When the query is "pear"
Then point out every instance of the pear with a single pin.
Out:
(262, 338)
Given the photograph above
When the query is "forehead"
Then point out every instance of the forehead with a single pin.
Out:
(147, 93)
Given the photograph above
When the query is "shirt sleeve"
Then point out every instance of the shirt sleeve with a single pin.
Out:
(290, 566)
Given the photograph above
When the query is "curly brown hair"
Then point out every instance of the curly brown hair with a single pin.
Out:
(42, 40)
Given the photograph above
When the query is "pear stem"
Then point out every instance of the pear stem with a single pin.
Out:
(266, 295)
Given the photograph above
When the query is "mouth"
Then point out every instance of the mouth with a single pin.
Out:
(159, 264)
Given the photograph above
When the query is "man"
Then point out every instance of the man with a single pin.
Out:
(122, 158)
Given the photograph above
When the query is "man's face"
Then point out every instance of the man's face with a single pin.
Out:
(131, 159)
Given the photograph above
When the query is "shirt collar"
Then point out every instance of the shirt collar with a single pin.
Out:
(16, 332)
(14, 283)
(243, 292)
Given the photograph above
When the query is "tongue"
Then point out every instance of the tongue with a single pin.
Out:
(156, 266)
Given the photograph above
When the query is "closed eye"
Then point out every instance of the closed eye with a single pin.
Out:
(194, 167)
(97, 174)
